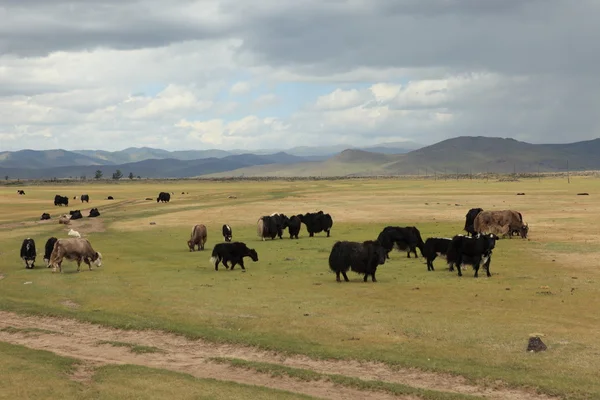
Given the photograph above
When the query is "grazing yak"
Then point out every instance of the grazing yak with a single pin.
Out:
(21, 192)
(74, 249)
(94, 213)
(501, 223)
(110, 198)
(405, 238)
(317, 222)
(271, 226)
(61, 200)
(435, 247)
(294, 224)
(48, 250)
(28, 253)
(362, 258)
(227, 233)
(64, 219)
(198, 237)
(234, 252)
(473, 251)
(85, 197)
(75, 214)
(470, 220)
(44, 217)
(164, 197)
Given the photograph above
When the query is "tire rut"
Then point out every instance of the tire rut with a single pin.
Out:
(80, 340)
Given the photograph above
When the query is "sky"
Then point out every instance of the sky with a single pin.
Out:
(201, 74)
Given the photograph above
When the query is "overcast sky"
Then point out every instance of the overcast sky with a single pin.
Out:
(198, 74)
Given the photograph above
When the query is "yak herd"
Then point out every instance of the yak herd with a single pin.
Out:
(483, 229)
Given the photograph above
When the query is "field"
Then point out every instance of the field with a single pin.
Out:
(158, 321)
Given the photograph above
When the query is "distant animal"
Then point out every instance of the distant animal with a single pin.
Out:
(232, 252)
(473, 251)
(227, 233)
(404, 238)
(470, 220)
(94, 213)
(74, 197)
(271, 226)
(435, 247)
(317, 222)
(21, 192)
(149, 198)
(28, 252)
(362, 258)
(74, 249)
(75, 214)
(74, 233)
(61, 200)
(45, 216)
(294, 224)
(110, 198)
(501, 223)
(48, 250)
(182, 192)
(164, 197)
(64, 219)
(198, 237)
(85, 197)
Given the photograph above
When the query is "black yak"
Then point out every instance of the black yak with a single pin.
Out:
(405, 238)
(234, 252)
(362, 258)
(472, 251)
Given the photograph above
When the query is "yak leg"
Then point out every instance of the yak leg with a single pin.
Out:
(458, 265)
(345, 276)
(476, 266)
(373, 276)
(242, 263)
(217, 263)
(487, 265)
(337, 276)
(78, 264)
(328, 232)
(430, 262)
(311, 234)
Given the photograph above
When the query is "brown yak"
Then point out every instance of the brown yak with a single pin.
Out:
(500, 223)
(198, 237)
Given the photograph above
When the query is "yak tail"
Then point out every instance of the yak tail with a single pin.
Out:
(213, 260)
(260, 228)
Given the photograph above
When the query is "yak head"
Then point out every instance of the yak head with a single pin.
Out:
(190, 245)
(97, 259)
(253, 255)
(524, 231)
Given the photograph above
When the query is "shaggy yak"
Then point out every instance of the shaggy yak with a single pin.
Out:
(362, 258)
(234, 252)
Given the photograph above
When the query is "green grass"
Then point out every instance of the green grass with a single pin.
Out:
(134, 348)
(308, 376)
(35, 374)
(289, 300)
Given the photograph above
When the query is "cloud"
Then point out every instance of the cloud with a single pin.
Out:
(202, 73)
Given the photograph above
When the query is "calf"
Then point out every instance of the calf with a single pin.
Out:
(227, 233)
(45, 216)
(21, 192)
(75, 214)
(28, 253)
(234, 252)
(435, 247)
(74, 249)
(362, 258)
(48, 250)
(472, 251)
(85, 197)
(405, 238)
(198, 237)
(64, 219)
(94, 213)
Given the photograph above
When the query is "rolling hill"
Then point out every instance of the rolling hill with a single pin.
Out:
(464, 154)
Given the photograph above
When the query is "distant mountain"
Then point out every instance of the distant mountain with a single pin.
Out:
(163, 168)
(45, 158)
(60, 158)
(464, 154)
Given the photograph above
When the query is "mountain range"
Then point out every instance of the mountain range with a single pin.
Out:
(463, 154)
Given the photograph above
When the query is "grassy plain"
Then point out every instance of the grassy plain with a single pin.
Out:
(289, 301)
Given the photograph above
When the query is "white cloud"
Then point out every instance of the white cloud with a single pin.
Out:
(113, 74)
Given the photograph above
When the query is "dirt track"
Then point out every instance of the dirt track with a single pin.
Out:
(80, 341)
